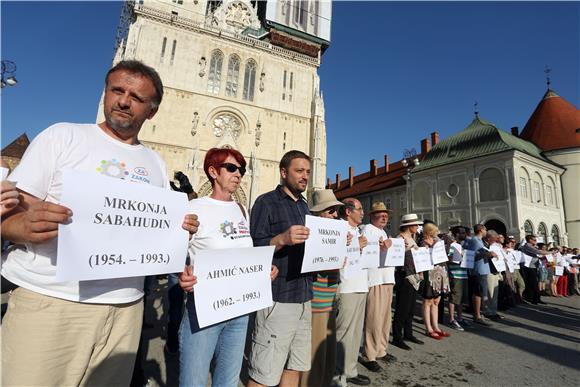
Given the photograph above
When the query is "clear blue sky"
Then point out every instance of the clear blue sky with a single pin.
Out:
(394, 73)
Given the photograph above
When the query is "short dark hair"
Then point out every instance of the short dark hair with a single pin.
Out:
(455, 229)
(530, 237)
(137, 67)
(478, 228)
(291, 155)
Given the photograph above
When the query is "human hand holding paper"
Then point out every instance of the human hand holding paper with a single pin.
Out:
(187, 280)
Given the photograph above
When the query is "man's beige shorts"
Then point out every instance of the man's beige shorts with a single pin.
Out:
(281, 340)
(48, 341)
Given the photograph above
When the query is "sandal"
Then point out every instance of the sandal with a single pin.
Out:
(434, 335)
(442, 333)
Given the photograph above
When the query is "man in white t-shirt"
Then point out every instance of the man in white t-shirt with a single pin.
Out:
(350, 305)
(381, 282)
(87, 332)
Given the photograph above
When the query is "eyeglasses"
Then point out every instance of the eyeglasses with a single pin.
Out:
(232, 168)
(331, 211)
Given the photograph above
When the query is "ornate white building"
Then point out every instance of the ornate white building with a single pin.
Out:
(514, 183)
(231, 79)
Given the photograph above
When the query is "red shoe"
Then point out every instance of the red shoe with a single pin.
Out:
(443, 334)
(433, 335)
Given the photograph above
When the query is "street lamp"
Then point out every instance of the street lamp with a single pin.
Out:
(8, 70)
(408, 155)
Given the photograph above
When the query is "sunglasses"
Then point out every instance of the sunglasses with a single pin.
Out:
(232, 168)
(331, 211)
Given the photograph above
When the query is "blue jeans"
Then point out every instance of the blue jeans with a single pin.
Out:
(223, 342)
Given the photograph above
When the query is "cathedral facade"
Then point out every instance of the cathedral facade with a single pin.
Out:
(232, 78)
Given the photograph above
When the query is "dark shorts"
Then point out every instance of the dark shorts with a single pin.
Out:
(475, 286)
(458, 295)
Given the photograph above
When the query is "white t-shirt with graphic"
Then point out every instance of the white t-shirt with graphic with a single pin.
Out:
(383, 275)
(222, 225)
(82, 147)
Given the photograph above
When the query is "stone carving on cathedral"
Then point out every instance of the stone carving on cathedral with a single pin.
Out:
(202, 63)
(258, 133)
(194, 122)
(234, 16)
(226, 123)
(262, 77)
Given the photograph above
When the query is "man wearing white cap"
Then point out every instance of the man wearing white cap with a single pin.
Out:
(381, 282)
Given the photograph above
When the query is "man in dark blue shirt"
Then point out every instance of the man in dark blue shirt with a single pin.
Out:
(281, 339)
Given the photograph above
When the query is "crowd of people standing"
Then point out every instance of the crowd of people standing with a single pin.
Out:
(321, 325)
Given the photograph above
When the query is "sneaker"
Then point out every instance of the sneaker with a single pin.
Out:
(482, 321)
(455, 325)
(465, 323)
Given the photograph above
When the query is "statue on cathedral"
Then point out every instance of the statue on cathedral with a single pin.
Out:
(194, 122)
(202, 62)
(258, 132)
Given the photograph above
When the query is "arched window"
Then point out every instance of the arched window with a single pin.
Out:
(491, 185)
(233, 75)
(556, 235)
(528, 227)
(543, 232)
(523, 182)
(550, 192)
(249, 80)
(215, 72)
(421, 195)
(537, 188)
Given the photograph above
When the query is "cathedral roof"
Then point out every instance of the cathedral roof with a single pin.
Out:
(555, 124)
(479, 138)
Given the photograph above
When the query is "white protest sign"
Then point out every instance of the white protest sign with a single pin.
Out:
(527, 260)
(550, 258)
(498, 262)
(325, 248)
(510, 264)
(371, 253)
(438, 254)
(559, 270)
(4, 173)
(468, 261)
(231, 283)
(422, 259)
(353, 259)
(119, 229)
(396, 253)
(518, 257)
(457, 256)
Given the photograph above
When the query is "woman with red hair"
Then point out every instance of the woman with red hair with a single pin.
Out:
(224, 224)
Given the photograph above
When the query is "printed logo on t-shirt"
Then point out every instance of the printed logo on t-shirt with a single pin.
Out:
(118, 169)
(113, 168)
(228, 230)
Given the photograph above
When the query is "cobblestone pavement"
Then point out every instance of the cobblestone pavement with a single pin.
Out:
(532, 346)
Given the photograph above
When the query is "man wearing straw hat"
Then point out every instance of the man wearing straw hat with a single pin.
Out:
(381, 282)
(323, 305)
